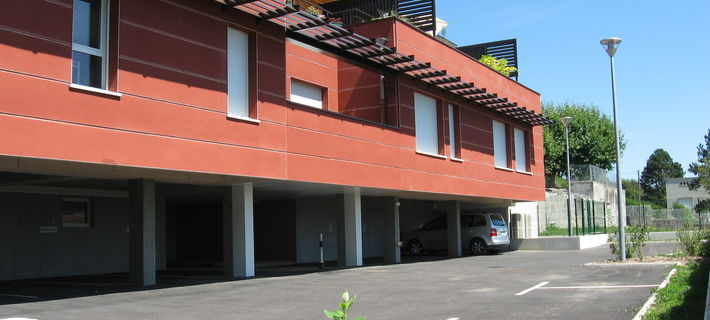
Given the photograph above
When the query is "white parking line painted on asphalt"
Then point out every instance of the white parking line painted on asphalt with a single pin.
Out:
(17, 296)
(602, 287)
(453, 319)
(531, 288)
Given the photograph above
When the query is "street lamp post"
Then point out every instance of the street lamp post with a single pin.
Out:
(566, 121)
(610, 45)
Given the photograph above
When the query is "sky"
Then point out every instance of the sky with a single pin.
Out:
(661, 68)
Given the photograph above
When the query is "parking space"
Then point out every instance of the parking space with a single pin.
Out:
(477, 287)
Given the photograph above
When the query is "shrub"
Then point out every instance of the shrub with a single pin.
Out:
(636, 238)
(690, 237)
(500, 65)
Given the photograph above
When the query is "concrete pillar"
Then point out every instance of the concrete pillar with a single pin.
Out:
(238, 231)
(391, 215)
(453, 227)
(161, 245)
(350, 229)
(141, 226)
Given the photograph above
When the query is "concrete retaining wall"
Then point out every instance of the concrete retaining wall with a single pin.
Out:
(559, 243)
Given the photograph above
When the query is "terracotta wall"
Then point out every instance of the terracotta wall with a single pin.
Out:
(172, 112)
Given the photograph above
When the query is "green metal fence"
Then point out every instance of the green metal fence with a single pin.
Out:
(589, 217)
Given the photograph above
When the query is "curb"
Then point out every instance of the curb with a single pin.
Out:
(652, 299)
(631, 264)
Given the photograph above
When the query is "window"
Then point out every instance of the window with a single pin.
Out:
(426, 124)
(89, 43)
(436, 224)
(455, 151)
(500, 146)
(237, 73)
(75, 212)
(306, 94)
(521, 162)
(468, 221)
(497, 220)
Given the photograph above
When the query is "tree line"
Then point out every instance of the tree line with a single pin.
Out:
(592, 141)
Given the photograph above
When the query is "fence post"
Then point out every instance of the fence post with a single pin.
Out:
(604, 207)
(576, 222)
(589, 216)
(594, 217)
(584, 227)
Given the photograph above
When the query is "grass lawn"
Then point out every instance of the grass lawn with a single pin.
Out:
(684, 297)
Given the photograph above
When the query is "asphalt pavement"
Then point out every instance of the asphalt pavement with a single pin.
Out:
(511, 285)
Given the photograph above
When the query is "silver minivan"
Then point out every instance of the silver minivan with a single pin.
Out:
(480, 233)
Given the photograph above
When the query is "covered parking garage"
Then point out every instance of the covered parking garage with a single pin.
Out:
(69, 218)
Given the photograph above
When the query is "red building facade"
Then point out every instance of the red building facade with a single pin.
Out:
(148, 101)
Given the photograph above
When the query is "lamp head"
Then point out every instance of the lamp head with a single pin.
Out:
(610, 45)
(566, 121)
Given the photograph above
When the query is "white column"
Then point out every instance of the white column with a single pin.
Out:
(391, 215)
(350, 229)
(238, 231)
(453, 227)
(141, 227)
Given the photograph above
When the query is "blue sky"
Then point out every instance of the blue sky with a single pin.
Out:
(662, 66)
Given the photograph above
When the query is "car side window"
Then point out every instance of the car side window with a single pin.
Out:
(466, 221)
(438, 224)
(479, 220)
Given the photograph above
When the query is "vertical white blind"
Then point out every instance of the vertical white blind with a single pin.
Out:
(521, 162)
(237, 73)
(499, 145)
(452, 131)
(306, 94)
(425, 124)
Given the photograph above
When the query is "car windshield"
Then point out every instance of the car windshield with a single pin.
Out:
(497, 220)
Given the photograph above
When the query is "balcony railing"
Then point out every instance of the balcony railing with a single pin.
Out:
(505, 49)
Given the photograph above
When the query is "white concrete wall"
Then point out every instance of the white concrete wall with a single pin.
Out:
(528, 209)
(27, 253)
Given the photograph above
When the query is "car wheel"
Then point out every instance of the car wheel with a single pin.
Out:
(414, 248)
(478, 246)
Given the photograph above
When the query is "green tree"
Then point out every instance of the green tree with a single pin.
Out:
(500, 65)
(702, 168)
(591, 138)
(659, 167)
(631, 186)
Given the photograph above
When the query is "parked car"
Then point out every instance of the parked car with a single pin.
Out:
(480, 233)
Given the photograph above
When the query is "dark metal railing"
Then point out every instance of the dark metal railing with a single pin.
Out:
(420, 13)
(505, 49)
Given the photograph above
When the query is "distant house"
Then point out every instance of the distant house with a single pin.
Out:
(678, 190)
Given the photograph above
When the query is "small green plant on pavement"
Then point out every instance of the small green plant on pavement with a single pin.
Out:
(342, 313)
(690, 237)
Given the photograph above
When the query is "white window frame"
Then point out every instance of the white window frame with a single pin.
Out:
(238, 90)
(306, 100)
(452, 132)
(426, 124)
(101, 52)
(521, 159)
(500, 145)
